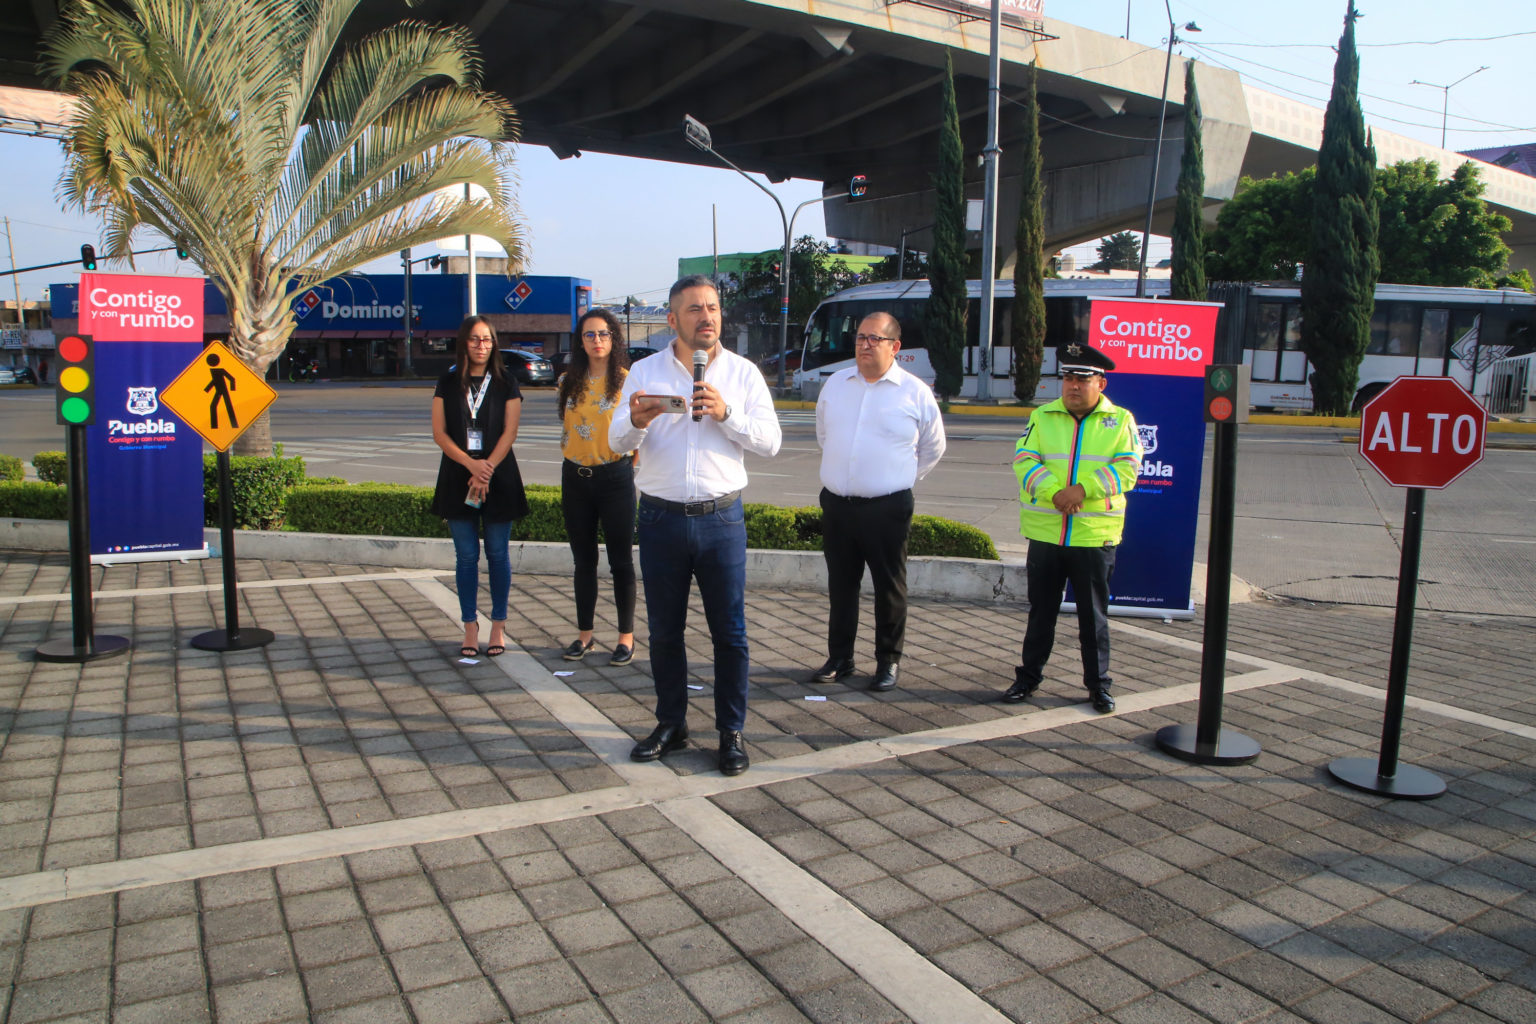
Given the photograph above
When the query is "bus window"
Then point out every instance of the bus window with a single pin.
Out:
(1292, 334)
(830, 339)
(1266, 337)
(1394, 331)
(1433, 331)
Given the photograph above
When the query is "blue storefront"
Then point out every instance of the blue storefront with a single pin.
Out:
(354, 326)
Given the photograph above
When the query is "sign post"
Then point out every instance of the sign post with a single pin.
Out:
(1419, 433)
(219, 397)
(75, 400)
(1226, 405)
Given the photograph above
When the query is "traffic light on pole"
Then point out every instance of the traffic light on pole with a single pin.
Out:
(75, 387)
(88, 257)
(1226, 393)
(181, 249)
(858, 187)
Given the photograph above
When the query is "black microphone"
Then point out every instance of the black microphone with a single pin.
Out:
(700, 361)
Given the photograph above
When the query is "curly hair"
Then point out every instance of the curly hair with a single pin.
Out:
(574, 380)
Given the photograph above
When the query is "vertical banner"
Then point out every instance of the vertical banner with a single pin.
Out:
(1160, 349)
(146, 466)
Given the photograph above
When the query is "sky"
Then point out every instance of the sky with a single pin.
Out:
(623, 223)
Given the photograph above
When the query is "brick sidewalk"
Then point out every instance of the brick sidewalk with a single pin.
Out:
(349, 825)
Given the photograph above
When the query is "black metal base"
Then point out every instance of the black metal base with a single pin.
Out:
(1410, 782)
(103, 645)
(243, 640)
(1231, 747)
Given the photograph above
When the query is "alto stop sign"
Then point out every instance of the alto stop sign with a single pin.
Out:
(1422, 432)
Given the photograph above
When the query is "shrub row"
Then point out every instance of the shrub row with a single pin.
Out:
(11, 470)
(274, 493)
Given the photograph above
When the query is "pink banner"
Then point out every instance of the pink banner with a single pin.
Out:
(1156, 336)
(134, 307)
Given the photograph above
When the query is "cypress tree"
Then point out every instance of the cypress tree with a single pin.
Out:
(1028, 331)
(945, 321)
(1188, 275)
(1339, 281)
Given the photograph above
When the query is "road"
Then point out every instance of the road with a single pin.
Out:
(1314, 521)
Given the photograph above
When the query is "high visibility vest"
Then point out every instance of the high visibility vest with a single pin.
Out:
(1102, 452)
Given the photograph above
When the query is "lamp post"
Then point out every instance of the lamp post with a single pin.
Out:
(406, 316)
(1157, 152)
(1445, 105)
(698, 136)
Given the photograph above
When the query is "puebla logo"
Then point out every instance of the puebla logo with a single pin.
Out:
(142, 401)
(1148, 436)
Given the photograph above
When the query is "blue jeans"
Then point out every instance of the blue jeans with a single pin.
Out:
(675, 550)
(466, 567)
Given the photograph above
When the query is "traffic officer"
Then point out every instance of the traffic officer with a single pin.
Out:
(1077, 461)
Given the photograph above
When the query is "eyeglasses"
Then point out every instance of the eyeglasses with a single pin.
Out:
(594, 335)
(870, 340)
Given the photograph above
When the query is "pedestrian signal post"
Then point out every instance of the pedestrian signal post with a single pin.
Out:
(75, 404)
(1420, 433)
(218, 396)
(1225, 405)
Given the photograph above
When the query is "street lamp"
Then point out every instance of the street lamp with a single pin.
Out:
(1445, 106)
(1157, 152)
(697, 134)
(406, 261)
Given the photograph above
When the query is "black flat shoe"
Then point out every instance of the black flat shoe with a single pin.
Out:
(579, 650)
(833, 670)
(885, 678)
(1018, 693)
(733, 756)
(622, 655)
(1102, 702)
(663, 739)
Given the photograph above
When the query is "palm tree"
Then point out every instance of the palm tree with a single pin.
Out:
(244, 130)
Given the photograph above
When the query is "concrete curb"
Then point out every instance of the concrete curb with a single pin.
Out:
(962, 579)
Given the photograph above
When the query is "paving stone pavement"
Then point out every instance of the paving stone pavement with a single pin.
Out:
(352, 825)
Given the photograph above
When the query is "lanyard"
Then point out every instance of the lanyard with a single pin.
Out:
(474, 402)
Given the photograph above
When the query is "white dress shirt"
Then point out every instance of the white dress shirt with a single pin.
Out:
(680, 460)
(877, 437)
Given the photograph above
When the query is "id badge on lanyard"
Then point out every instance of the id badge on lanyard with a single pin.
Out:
(474, 439)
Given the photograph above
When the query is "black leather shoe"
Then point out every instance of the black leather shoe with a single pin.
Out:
(1103, 703)
(833, 670)
(663, 739)
(733, 756)
(885, 678)
(1018, 693)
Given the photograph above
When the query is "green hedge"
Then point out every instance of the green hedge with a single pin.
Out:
(33, 500)
(258, 485)
(52, 467)
(935, 535)
(11, 469)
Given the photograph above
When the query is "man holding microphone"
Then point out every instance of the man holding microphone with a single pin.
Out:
(690, 474)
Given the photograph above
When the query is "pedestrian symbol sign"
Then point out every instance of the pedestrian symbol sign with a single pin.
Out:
(218, 396)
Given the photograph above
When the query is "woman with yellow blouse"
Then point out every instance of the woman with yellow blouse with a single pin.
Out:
(597, 484)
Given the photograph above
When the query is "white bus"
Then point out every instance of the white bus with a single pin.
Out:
(1458, 332)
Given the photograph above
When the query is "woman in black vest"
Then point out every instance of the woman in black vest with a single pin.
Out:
(475, 411)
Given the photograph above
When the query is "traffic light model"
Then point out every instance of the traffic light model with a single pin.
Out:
(181, 249)
(75, 387)
(858, 187)
(88, 257)
(1226, 393)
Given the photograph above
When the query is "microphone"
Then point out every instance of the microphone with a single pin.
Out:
(700, 361)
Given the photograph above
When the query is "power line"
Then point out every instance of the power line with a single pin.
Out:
(1095, 131)
(1405, 42)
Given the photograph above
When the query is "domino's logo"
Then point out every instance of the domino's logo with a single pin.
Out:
(307, 302)
(517, 295)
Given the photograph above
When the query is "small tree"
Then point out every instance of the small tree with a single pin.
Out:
(246, 132)
(1187, 280)
(1029, 259)
(1121, 251)
(1339, 286)
(945, 320)
(916, 268)
(1263, 232)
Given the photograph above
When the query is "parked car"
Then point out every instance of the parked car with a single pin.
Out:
(17, 375)
(769, 364)
(529, 368)
(639, 352)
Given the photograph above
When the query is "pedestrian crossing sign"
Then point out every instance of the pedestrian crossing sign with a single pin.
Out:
(218, 396)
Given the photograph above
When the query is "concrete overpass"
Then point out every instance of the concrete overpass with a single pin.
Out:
(824, 89)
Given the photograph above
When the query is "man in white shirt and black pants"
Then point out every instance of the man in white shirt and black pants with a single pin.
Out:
(880, 432)
(690, 475)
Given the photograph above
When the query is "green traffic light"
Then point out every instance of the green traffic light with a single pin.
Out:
(75, 410)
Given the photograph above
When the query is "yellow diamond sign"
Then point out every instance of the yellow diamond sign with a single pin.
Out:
(218, 396)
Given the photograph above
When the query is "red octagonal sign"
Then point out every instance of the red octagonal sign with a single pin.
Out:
(1422, 432)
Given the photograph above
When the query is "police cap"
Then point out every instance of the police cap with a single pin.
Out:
(1075, 359)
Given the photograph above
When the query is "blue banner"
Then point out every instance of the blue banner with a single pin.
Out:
(145, 466)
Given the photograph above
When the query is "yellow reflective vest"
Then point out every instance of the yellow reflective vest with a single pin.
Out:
(1102, 452)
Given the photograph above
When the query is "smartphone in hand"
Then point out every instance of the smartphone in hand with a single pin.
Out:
(666, 403)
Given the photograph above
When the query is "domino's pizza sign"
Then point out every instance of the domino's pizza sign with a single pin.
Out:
(516, 296)
(307, 302)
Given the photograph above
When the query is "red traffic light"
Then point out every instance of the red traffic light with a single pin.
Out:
(75, 387)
